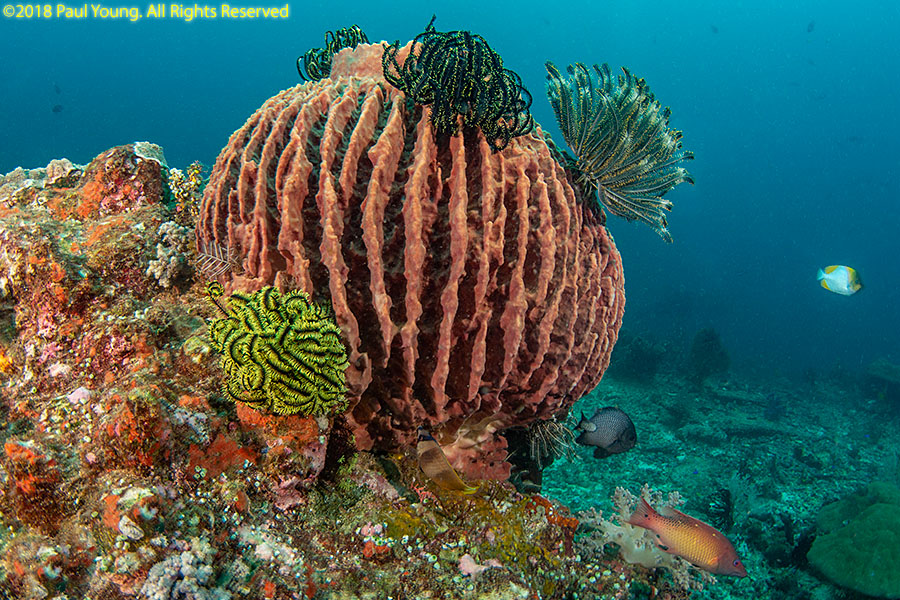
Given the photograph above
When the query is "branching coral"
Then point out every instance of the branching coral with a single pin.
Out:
(317, 61)
(187, 188)
(188, 575)
(458, 73)
(280, 352)
(171, 259)
(620, 135)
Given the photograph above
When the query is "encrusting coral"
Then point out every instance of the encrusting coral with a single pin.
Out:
(624, 148)
(280, 352)
(457, 74)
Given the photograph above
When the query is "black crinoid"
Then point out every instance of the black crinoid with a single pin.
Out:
(624, 148)
(317, 61)
(458, 74)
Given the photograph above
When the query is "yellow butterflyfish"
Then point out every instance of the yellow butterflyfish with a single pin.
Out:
(840, 280)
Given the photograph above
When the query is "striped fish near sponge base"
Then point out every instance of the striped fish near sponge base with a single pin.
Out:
(691, 539)
(435, 465)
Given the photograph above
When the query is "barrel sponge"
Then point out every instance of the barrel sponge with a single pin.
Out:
(859, 542)
(474, 290)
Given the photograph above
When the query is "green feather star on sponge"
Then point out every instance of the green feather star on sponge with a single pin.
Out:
(280, 352)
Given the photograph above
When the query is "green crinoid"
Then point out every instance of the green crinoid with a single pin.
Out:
(317, 61)
(623, 145)
(457, 73)
(280, 352)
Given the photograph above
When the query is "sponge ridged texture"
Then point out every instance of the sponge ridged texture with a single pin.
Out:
(471, 287)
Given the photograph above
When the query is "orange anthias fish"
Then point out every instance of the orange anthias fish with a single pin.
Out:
(691, 539)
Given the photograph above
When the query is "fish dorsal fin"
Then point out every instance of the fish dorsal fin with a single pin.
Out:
(643, 514)
(832, 268)
(435, 465)
(675, 514)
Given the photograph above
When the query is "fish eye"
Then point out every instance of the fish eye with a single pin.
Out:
(736, 563)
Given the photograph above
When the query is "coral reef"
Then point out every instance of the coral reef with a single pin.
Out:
(624, 148)
(124, 178)
(460, 77)
(58, 173)
(279, 352)
(125, 474)
(458, 282)
(474, 291)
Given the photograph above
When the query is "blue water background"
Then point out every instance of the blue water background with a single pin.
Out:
(790, 108)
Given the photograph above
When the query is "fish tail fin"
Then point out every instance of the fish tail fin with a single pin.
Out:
(643, 515)
(820, 275)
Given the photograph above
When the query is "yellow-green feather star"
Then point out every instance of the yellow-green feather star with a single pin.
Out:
(280, 352)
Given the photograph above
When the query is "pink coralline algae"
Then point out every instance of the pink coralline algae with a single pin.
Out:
(474, 289)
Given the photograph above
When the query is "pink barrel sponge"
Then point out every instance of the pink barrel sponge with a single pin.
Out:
(474, 290)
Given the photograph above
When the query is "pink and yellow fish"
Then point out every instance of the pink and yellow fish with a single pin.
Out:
(693, 540)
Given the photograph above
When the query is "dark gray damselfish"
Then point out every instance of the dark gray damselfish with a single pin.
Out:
(610, 431)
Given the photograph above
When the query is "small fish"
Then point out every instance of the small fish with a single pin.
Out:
(811, 27)
(714, 29)
(610, 431)
(57, 89)
(840, 280)
(434, 463)
(693, 540)
(57, 108)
